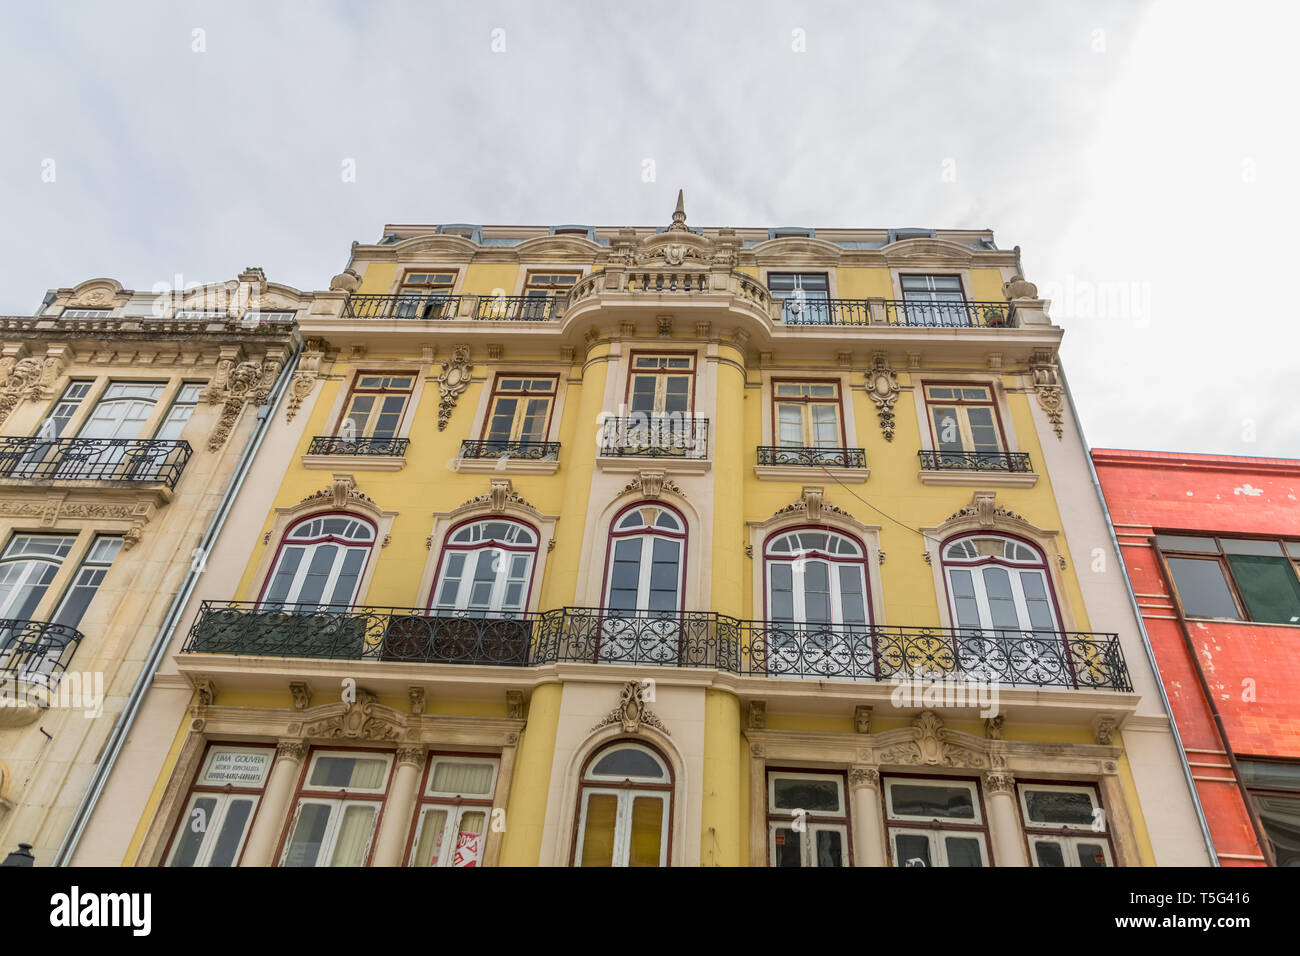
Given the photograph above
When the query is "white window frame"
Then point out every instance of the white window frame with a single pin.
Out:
(1014, 570)
(813, 822)
(799, 560)
(309, 548)
(938, 850)
(967, 785)
(1069, 847)
(450, 828)
(646, 535)
(329, 839)
(215, 824)
(504, 575)
(31, 562)
(623, 821)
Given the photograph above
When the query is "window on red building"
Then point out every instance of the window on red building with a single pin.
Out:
(1247, 579)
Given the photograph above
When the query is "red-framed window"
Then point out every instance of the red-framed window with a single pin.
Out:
(337, 807)
(222, 805)
(454, 811)
(646, 559)
(486, 567)
(320, 561)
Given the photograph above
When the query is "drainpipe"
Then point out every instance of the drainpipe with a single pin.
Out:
(1137, 615)
(1266, 848)
(116, 739)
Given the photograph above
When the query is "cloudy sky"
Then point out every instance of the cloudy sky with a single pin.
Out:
(1143, 155)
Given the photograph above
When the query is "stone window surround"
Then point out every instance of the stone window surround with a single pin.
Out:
(843, 377)
(444, 521)
(1046, 541)
(760, 532)
(286, 517)
(993, 381)
(421, 371)
(562, 372)
(1000, 764)
(284, 727)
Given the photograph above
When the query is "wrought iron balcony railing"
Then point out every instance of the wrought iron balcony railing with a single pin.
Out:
(519, 308)
(36, 653)
(930, 314)
(799, 455)
(642, 435)
(99, 459)
(406, 305)
(522, 450)
(337, 445)
(807, 310)
(1073, 659)
(975, 461)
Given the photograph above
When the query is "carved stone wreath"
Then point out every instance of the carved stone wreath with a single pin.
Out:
(453, 380)
(882, 387)
(631, 712)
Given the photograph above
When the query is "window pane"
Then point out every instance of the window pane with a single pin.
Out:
(354, 834)
(647, 831)
(830, 851)
(1048, 853)
(782, 605)
(598, 834)
(963, 596)
(628, 762)
(305, 845)
(461, 778)
(1269, 587)
(469, 841)
(1002, 606)
(1245, 546)
(1172, 542)
(786, 847)
(929, 800)
(1058, 806)
(429, 848)
(962, 851)
(193, 829)
(1040, 608)
(1091, 854)
(852, 609)
(911, 849)
(232, 831)
(1202, 588)
(351, 773)
(803, 794)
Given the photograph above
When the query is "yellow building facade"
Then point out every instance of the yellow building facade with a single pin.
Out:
(677, 546)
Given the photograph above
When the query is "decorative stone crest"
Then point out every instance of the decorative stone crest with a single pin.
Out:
(362, 719)
(342, 490)
(930, 746)
(19, 380)
(811, 503)
(501, 495)
(1047, 384)
(235, 386)
(631, 712)
(984, 507)
(453, 380)
(651, 484)
(882, 387)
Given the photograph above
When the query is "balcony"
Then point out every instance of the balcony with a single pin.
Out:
(1005, 461)
(654, 435)
(948, 315)
(335, 445)
(406, 306)
(864, 653)
(980, 469)
(518, 308)
(807, 310)
(812, 457)
(94, 459)
(35, 653)
(513, 450)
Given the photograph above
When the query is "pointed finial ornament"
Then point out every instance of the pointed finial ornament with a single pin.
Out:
(679, 214)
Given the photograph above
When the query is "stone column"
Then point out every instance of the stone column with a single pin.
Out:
(274, 805)
(396, 824)
(1004, 820)
(868, 817)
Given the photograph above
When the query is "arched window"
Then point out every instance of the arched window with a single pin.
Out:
(647, 556)
(624, 808)
(997, 583)
(486, 566)
(320, 562)
(818, 605)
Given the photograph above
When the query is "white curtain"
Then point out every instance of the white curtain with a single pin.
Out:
(464, 778)
(354, 834)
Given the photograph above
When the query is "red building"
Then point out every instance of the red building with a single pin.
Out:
(1212, 548)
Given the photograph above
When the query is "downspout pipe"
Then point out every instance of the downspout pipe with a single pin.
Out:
(1137, 616)
(117, 738)
(1265, 847)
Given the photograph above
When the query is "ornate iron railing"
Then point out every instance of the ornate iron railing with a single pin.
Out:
(524, 450)
(99, 459)
(337, 445)
(519, 308)
(975, 461)
(808, 310)
(801, 455)
(642, 435)
(36, 652)
(1015, 658)
(406, 305)
(930, 314)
